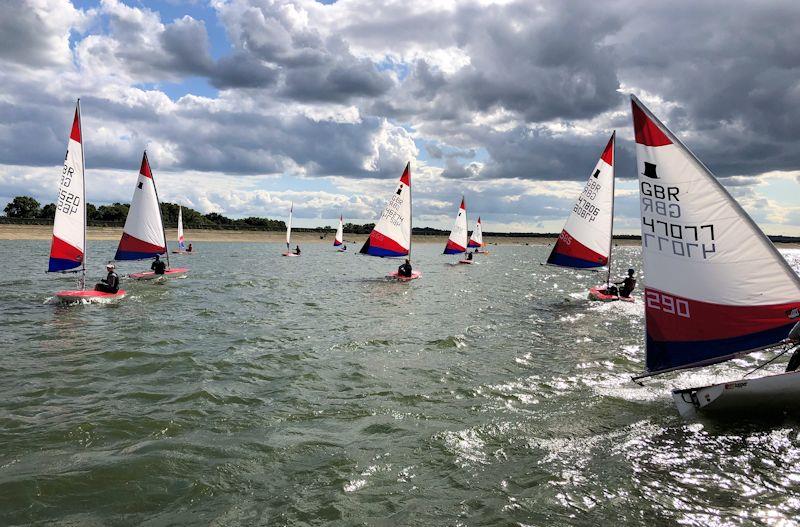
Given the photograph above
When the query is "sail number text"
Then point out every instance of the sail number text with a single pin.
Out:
(661, 204)
(392, 211)
(584, 206)
(68, 202)
(667, 304)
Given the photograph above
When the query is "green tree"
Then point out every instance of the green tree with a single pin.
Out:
(48, 212)
(22, 207)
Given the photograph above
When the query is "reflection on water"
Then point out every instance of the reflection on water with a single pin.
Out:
(265, 390)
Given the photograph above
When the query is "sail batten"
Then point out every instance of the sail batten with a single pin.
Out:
(585, 240)
(391, 236)
(143, 233)
(68, 245)
(716, 287)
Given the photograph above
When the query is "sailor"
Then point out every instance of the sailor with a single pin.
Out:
(628, 285)
(189, 249)
(158, 266)
(469, 255)
(109, 284)
(405, 269)
(297, 250)
(344, 247)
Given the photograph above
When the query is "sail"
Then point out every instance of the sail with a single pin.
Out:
(68, 247)
(391, 236)
(457, 243)
(585, 240)
(716, 286)
(143, 233)
(289, 226)
(337, 240)
(181, 240)
(476, 240)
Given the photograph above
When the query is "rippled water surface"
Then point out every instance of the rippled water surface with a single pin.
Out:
(305, 391)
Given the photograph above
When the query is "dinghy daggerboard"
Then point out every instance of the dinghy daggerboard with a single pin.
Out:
(716, 287)
(585, 240)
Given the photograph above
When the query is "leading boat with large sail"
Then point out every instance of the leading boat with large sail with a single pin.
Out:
(143, 235)
(391, 236)
(68, 246)
(716, 287)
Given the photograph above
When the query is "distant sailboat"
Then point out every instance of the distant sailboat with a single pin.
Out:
(143, 235)
(391, 237)
(457, 242)
(476, 239)
(68, 246)
(716, 286)
(181, 240)
(338, 240)
(289, 251)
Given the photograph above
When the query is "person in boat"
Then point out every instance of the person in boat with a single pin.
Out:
(628, 285)
(189, 249)
(297, 250)
(344, 247)
(469, 255)
(158, 266)
(405, 269)
(109, 284)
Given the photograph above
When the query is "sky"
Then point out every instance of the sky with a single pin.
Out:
(245, 106)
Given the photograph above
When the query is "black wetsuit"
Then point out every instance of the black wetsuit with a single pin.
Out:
(297, 251)
(109, 284)
(159, 267)
(469, 256)
(628, 285)
(404, 270)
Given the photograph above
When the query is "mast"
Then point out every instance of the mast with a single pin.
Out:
(160, 215)
(85, 208)
(613, 193)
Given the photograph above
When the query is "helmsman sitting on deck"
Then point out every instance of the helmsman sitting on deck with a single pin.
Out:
(158, 266)
(469, 255)
(628, 285)
(405, 269)
(297, 250)
(109, 284)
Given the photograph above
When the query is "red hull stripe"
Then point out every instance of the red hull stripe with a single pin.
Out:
(608, 153)
(646, 131)
(130, 244)
(63, 251)
(145, 170)
(675, 319)
(406, 177)
(75, 135)
(575, 249)
(380, 241)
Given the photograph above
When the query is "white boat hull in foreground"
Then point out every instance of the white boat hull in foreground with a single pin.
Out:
(774, 394)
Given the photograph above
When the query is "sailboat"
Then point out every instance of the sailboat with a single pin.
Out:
(457, 242)
(68, 246)
(391, 236)
(476, 238)
(289, 251)
(338, 240)
(716, 288)
(181, 240)
(143, 235)
(585, 240)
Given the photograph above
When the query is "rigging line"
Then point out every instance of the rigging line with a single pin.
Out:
(781, 354)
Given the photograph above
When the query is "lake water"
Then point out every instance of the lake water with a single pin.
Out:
(264, 390)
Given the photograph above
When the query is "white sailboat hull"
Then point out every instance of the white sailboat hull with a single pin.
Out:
(774, 394)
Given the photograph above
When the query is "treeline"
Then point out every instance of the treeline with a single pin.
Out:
(27, 208)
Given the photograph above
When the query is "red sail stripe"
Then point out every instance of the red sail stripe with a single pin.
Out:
(65, 251)
(608, 153)
(576, 249)
(75, 135)
(646, 131)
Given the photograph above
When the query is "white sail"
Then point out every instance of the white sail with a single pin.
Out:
(391, 236)
(68, 246)
(457, 242)
(143, 233)
(289, 226)
(339, 238)
(181, 240)
(476, 240)
(716, 286)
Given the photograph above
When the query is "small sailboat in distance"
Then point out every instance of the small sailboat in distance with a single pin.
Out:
(181, 240)
(143, 235)
(391, 236)
(716, 288)
(476, 238)
(289, 251)
(68, 246)
(457, 242)
(338, 240)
